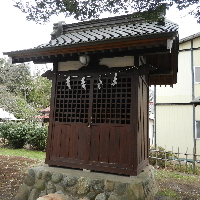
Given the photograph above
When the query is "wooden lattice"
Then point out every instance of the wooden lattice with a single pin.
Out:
(109, 104)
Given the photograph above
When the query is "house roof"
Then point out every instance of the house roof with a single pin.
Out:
(193, 36)
(42, 117)
(46, 110)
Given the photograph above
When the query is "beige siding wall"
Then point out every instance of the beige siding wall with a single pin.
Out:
(198, 148)
(182, 91)
(174, 123)
(174, 127)
(196, 90)
(196, 57)
(196, 42)
(185, 45)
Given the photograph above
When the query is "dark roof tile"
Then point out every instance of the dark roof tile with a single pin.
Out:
(125, 27)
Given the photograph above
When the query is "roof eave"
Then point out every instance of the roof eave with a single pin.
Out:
(91, 46)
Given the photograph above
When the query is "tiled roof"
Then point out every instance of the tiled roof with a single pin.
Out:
(190, 37)
(101, 30)
(42, 117)
(46, 110)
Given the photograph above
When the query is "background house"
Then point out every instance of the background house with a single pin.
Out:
(177, 121)
(4, 115)
(44, 116)
(151, 124)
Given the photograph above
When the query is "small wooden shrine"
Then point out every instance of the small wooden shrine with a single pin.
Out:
(100, 85)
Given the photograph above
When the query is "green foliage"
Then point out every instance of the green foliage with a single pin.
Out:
(40, 92)
(37, 137)
(160, 154)
(16, 105)
(15, 77)
(16, 135)
(21, 94)
(41, 10)
(168, 193)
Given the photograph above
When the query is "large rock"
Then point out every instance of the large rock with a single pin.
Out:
(83, 186)
(56, 177)
(29, 180)
(23, 193)
(69, 181)
(40, 185)
(98, 185)
(54, 197)
(101, 196)
(34, 194)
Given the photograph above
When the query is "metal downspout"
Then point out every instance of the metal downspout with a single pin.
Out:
(154, 99)
(193, 96)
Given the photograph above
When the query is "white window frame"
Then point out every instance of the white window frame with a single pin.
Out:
(197, 135)
(196, 82)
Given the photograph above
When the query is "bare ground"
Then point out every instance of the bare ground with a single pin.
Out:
(183, 187)
(13, 170)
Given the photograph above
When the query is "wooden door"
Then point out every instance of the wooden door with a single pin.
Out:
(92, 124)
(111, 131)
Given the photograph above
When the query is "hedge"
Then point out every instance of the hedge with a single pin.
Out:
(17, 134)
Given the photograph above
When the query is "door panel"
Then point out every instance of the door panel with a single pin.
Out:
(110, 144)
(70, 141)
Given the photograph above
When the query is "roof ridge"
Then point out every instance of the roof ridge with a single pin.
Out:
(62, 28)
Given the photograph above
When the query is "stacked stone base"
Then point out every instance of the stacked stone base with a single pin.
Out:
(81, 185)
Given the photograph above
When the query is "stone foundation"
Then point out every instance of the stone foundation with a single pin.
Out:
(73, 184)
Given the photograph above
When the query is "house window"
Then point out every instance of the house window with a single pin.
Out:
(197, 74)
(197, 129)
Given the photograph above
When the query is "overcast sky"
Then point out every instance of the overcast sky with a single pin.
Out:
(16, 33)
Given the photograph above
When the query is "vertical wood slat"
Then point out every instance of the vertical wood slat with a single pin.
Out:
(104, 144)
(56, 141)
(94, 144)
(114, 144)
(83, 144)
(124, 153)
(65, 138)
(143, 121)
(52, 116)
(133, 148)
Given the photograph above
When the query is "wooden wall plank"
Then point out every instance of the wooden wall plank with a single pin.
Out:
(104, 144)
(65, 139)
(114, 144)
(94, 143)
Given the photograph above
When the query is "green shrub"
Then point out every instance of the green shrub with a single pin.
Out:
(37, 138)
(16, 135)
(4, 131)
(13, 134)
